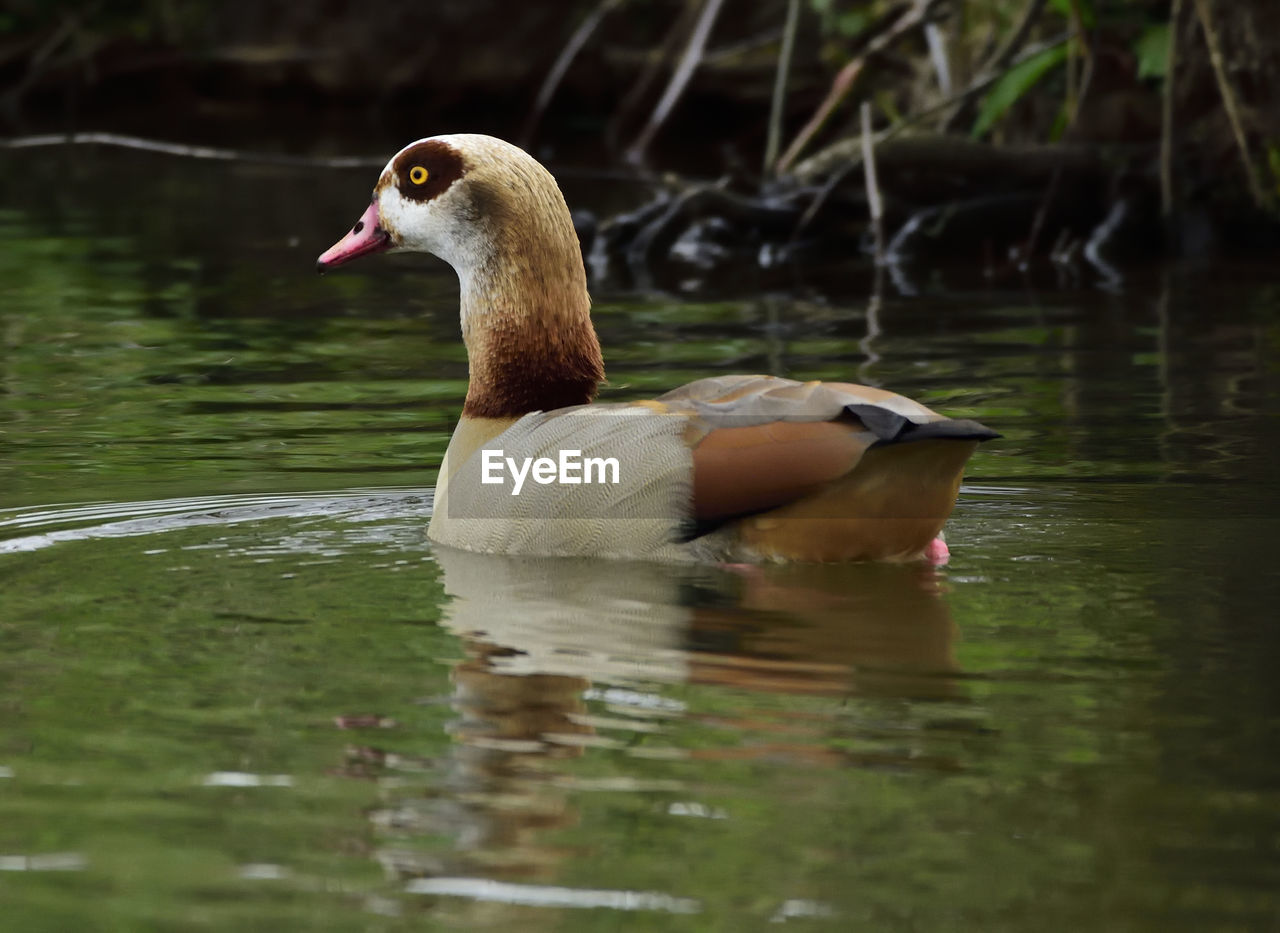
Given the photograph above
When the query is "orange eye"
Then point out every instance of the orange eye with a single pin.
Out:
(418, 175)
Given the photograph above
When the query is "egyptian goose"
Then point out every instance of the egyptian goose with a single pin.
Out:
(729, 468)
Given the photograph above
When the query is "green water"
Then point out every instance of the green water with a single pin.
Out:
(238, 690)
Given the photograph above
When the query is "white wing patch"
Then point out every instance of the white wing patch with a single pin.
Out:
(643, 512)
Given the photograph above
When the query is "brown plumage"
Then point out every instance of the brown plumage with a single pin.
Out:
(738, 467)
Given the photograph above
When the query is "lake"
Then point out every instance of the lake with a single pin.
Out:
(242, 691)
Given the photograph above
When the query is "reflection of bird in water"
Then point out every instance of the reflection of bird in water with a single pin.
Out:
(541, 635)
(798, 628)
(502, 761)
(820, 628)
(498, 794)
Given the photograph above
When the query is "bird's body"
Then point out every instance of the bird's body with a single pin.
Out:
(739, 468)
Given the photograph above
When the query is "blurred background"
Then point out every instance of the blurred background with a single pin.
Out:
(240, 690)
(1173, 107)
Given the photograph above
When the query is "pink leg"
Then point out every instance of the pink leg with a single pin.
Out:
(750, 571)
(937, 553)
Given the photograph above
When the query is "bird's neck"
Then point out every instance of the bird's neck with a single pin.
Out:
(527, 327)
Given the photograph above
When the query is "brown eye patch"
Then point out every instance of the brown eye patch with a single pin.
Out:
(441, 163)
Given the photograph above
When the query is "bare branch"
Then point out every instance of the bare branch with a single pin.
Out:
(1000, 59)
(190, 152)
(562, 63)
(840, 89)
(780, 85)
(680, 78)
(874, 202)
(848, 148)
(906, 20)
(1229, 101)
(1166, 113)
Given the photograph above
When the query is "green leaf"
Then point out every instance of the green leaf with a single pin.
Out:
(853, 23)
(1060, 122)
(885, 101)
(1016, 82)
(1088, 17)
(1152, 49)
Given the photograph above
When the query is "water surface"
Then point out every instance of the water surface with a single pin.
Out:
(242, 691)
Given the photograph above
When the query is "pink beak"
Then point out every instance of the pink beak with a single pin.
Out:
(365, 237)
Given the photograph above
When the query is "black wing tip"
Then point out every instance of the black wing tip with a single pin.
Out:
(968, 428)
(957, 429)
(892, 428)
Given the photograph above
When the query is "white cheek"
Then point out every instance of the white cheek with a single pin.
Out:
(430, 227)
(408, 222)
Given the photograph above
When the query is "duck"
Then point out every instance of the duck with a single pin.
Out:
(736, 469)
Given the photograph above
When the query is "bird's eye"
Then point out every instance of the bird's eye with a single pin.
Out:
(418, 175)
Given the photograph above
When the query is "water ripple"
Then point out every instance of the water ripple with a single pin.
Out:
(129, 519)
